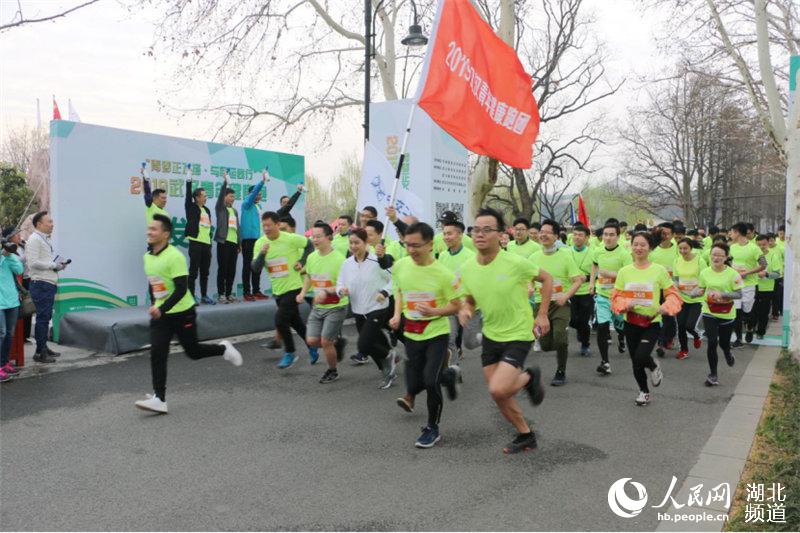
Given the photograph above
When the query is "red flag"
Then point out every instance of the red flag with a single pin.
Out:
(476, 88)
(56, 112)
(583, 217)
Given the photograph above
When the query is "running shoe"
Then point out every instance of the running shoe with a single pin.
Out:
(9, 368)
(406, 403)
(737, 343)
(329, 376)
(249, 298)
(222, 300)
(712, 381)
(430, 436)
(748, 337)
(232, 355)
(698, 343)
(43, 358)
(621, 344)
(521, 443)
(51, 353)
(258, 295)
(359, 358)
(389, 377)
(643, 398)
(153, 403)
(604, 369)
(683, 354)
(730, 359)
(287, 360)
(656, 376)
(340, 345)
(5, 376)
(559, 379)
(585, 352)
(534, 385)
(313, 354)
(450, 382)
(660, 351)
(233, 299)
(208, 301)
(272, 345)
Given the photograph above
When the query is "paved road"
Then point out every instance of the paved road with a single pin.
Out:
(258, 448)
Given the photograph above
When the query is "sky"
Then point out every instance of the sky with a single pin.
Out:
(96, 58)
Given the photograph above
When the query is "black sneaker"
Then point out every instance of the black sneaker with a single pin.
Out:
(621, 344)
(522, 443)
(359, 359)
(730, 359)
(329, 376)
(660, 351)
(340, 345)
(534, 386)
(450, 382)
(559, 379)
(43, 357)
(604, 369)
(748, 337)
(737, 344)
(51, 353)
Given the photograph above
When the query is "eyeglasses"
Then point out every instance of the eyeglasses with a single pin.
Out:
(416, 246)
(483, 231)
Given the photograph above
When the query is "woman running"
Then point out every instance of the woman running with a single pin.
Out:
(638, 291)
(721, 285)
(368, 286)
(686, 272)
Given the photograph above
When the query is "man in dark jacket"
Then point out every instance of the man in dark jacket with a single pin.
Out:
(198, 231)
(228, 242)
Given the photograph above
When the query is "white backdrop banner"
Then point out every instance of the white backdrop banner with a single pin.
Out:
(98, 205)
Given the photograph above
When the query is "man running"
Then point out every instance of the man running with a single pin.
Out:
(748, 261)
(664, 254)
(497, 284)
(341, 241)
(522, 244)
(582, 303)
(172, 313)
(425, 296)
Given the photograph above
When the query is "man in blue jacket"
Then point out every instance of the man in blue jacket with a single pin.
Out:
(251, 232)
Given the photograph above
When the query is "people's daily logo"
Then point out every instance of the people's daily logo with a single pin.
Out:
(621, 504)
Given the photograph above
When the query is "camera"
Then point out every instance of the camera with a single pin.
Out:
(8, 246)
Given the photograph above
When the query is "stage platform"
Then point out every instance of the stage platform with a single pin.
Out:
(124, 330)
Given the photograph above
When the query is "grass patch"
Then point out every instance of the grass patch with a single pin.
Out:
(775, 455)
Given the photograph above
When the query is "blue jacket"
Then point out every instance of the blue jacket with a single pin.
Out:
(10, 266)
(251, 216)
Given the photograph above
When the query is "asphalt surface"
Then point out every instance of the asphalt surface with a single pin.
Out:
(256, 448)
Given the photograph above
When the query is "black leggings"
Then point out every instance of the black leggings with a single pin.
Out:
(199, 263)
(249, 276)
(227, 254)
(426, 361)
(183, 325)
(371, 339)
(287, 317)
(582, 307)
(668, 327)
(687, 322)
(777, 298)
(641, 342)
(761, 310)
(718, 331)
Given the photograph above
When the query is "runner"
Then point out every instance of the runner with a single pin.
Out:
(582, 303)
(664, 254)
(341, 241)
(766, 284)
(198, 231)
(172, 313)
(283, 255)
(748, 261)
(722, 285)
(369, 285)
(567, 280)
(686, 272)
(228, 242)
(251, 232)
(497, 284)
(607, 260)
(638, 291)
(533, 232)
(522, 244)
(424, 295)
(324, 326)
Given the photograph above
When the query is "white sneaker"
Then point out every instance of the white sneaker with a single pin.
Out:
(231, 354)
(643, 398)
(152, 403)
(656, 376)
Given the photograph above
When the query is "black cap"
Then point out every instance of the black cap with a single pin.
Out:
(448, 216)
(9, 232)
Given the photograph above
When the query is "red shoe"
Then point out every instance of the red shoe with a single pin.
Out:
(249, 298)
(10, 369)
(260, 296)
(774, 318)
(669, 345)
(683, 354)
(698, 343)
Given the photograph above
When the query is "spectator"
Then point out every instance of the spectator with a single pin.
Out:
(10, 268)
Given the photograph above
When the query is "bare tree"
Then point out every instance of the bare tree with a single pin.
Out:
(20, 19)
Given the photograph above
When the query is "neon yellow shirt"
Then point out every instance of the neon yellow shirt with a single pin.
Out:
(432, 285)
(281, 257)
(746, 257)
(774, 264)
(160, 270)
(341, 243)
(611, 260)
(583, 260)
(233, 227)
(525, 249)
(324, 272)
(203, 229)
(644, 287)
(664, 256)
(560, 265)
(726, 281)
(155, 210)
(688, 276)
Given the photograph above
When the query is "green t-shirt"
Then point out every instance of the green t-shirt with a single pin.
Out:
(611, 260)
(282, 255)
(203, 229)
(155, 210)
(431, 284)
(687, 274)
(664, 256)
(644, 287)
(341, 243)
(707, 242)
(525, 250)
(233, 227)
(324, 272)
(500, 291)
(453, 262)
(726, 281)
(583, 260)
(560, 265)
(440, 247)
(774, 264)
(161, 270)
(746, 257)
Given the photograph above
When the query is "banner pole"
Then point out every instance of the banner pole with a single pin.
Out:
(402, 158)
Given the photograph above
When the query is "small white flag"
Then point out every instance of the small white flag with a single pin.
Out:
(73, 115)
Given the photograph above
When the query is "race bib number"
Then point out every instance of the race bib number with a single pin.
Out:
(278, 267)
(687, 285)
(205, 220)
(605, 283)
(231, 221)
(158, 287)
(414, 298)
(558, 288)
(321, 281)
(640, 294)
